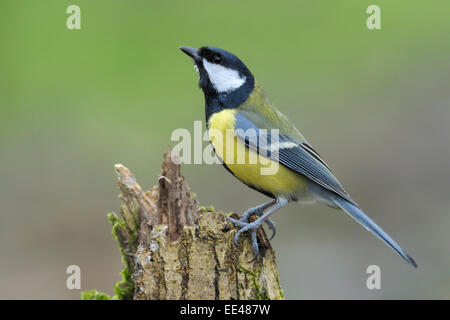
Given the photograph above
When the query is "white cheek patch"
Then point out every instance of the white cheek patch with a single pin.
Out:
(223, 79)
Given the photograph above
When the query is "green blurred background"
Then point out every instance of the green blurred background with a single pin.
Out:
(375, 104)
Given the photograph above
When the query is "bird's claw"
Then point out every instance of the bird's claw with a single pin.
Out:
(255, 246)
(271, 226)
(259, 213)
(246, 226)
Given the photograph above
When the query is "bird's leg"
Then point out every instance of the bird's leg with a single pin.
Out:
(253, 226)
(259, 211)
(271, 225)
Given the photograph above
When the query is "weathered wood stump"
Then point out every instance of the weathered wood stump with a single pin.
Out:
(174, 249)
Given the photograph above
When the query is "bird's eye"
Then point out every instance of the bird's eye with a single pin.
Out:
(217, 59)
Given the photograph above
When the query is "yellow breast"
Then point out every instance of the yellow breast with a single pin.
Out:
(246, 164)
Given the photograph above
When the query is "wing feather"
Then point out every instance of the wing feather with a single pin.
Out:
(292, 152)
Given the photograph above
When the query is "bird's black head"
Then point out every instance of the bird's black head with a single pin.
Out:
(224, 78)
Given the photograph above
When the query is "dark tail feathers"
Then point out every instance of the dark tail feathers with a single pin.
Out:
(357, 214)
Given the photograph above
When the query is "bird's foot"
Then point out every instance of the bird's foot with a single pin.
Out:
(263, 217)
(259, 211)
(248, 226)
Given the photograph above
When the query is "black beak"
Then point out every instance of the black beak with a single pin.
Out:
(191, 52)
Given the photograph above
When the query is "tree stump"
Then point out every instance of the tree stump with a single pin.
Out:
(175, 249)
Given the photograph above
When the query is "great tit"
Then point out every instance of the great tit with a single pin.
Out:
(235, 104)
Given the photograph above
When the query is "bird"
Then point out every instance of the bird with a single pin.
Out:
(238, 110)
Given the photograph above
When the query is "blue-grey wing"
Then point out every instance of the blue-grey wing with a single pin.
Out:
(292, 152)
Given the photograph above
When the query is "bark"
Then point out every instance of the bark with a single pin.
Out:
(175, 249)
